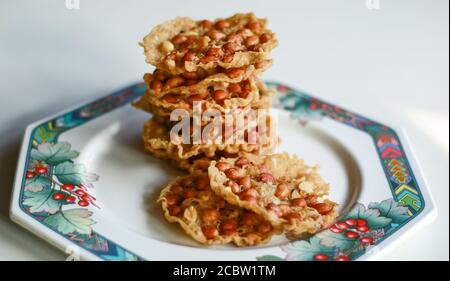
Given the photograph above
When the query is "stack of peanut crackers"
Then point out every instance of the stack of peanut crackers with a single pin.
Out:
(237, 191)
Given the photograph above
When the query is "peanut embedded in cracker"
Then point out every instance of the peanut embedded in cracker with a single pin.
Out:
(208, 218)
(184, 45)
(280, 188)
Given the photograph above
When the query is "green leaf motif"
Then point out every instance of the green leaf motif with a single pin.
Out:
(372, 216)
(53, 154)
(37, 183)
(378, 215)
(302, 250)
(71, 221)
(269, 258)
(76, 174)
(41, 201)
(391, 209)
(338, 240)
(43, 134)
(299, 107)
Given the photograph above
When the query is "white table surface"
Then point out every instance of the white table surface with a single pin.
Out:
(390, 64)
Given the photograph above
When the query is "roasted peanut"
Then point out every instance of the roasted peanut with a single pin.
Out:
(323, 208)
(264, 38)
(216, 35)
(245, 182)
(156, 85)
(190, 39)
(229, 224)
(293, 216)
(192, 75)
(210, 232)
(207, 59)
(246, 85)
(175, 81)
(174, 210)
(222, 166)
(255, 48)
(202, 182)
(234, 186)
(206, 24)
(249, 198)
(159, 75)
(264, 227)
(176, 189)
(215, 52)
(228, 58)
(189, 56)
(244, 32)
(233, 173)
(193, 98)
(210, 215)
(236, 38)
(274, 208)
(172, 199)
(222, 24)
(190, 82)
(234, 88)
(248, 219)
(266, 177)
(298, 202)
(254, 26)
(189, 193)
(231, 47)
(220, 95)
(244, 94)
(178, 39)
(241, 161)
(235, 72)
(170, 98)
(251, 41)
(249, 192)
(282, 191)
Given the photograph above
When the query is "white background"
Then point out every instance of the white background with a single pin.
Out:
(390, 64)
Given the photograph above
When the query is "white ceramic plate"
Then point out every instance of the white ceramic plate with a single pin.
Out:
(84, 184)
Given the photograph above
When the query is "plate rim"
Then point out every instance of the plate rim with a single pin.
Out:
(20, 216)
